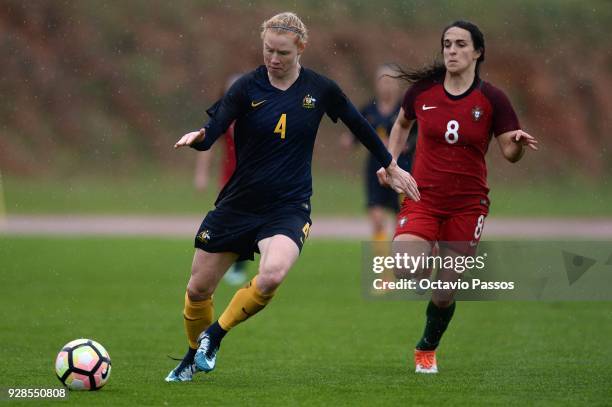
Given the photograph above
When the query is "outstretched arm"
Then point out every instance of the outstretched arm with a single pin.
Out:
(397, 141)
(400, 180)
(512, 144)
(191, 138)
(399, 134)
(506, 127)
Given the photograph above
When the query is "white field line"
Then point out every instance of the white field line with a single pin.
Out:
(323, 227)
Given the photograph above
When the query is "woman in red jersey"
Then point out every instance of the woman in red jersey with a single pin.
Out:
(457, 113)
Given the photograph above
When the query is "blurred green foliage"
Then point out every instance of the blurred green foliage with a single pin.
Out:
(93, 86)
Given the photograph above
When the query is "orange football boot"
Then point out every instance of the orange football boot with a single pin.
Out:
(425, 361)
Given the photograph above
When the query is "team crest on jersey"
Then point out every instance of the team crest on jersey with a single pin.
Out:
(204, 236)
(476, 113)
(402, 222)
(309, 102)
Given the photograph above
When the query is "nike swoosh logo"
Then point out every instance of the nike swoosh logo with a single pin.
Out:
(255, 104)
(429, 107)
(243, 310)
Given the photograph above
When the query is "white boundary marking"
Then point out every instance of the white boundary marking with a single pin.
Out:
(323, 227)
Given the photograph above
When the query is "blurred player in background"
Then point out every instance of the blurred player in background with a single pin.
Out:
(237, 274)
(265, 207)
(457, 114)
(381, 113)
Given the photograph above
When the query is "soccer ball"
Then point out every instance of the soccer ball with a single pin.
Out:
(83, 364)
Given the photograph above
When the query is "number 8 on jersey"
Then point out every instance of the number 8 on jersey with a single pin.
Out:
(452, 132)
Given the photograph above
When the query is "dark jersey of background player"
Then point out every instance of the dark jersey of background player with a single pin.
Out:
(274, 136)
(378, 195)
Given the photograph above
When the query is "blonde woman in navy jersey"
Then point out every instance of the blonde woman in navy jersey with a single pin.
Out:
(265, 206)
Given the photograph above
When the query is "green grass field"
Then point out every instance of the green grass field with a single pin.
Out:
(339, 194)
(318, 343)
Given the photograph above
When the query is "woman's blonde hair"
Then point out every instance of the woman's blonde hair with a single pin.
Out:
(284, 23)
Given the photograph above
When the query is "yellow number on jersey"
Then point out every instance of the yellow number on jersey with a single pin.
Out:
(305, 231)
(281, 125)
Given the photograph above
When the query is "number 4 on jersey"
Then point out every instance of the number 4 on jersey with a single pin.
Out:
(281, 125)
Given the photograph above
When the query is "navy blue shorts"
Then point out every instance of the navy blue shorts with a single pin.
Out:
(227, 230)
(377, 195)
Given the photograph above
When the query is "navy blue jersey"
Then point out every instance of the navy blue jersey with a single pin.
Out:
(274, 134)
(383, 124)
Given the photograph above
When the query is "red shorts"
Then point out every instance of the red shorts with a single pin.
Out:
(462, 230)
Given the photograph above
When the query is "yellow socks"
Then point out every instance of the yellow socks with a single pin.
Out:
(380, 237)
(246, 302)
(197, 316)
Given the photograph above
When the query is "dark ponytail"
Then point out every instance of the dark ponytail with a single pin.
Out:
(437, 70)
(434, 71)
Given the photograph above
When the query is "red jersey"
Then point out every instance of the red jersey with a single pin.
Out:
(228, 161)
(454, 135)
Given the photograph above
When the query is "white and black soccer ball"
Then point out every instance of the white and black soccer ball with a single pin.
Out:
(83, 364)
